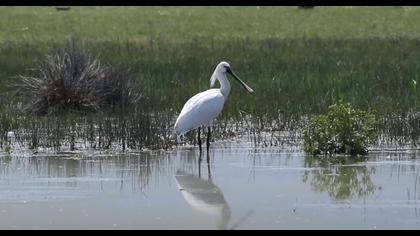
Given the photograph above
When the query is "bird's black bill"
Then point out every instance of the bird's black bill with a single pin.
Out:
(249, 89)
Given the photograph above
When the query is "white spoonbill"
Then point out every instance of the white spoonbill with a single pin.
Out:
(201, 109)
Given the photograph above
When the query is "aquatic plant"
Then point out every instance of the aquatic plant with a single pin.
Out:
(71, 79)
(7, 149)
(343, 130)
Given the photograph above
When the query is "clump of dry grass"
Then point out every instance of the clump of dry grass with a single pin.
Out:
(71, 79)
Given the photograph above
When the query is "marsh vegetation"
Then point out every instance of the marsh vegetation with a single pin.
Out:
(297, 72)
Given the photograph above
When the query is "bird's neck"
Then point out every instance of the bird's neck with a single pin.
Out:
(224, 85)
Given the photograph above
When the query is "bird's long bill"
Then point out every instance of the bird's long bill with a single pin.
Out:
(249, 89)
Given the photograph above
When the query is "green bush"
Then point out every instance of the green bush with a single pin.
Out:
(343, 130)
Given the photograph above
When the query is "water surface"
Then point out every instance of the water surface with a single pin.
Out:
(234, 187)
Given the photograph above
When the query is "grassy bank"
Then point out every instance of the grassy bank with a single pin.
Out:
(293, 76)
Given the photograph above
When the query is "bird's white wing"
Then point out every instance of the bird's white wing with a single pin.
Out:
(199, 110)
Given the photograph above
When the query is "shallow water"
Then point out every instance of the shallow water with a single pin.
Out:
(234, 187)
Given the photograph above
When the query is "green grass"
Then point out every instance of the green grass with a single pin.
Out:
(178, 24)
(298, 61)
(293, 75)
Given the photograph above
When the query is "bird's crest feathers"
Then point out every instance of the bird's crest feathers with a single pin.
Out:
(213, 79)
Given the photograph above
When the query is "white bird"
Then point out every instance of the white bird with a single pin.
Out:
(201, 109)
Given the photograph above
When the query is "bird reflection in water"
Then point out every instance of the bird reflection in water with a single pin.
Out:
(203, 195)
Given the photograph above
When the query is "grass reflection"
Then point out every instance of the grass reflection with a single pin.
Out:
(341, 177)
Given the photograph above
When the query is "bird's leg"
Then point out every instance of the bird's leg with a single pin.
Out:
(208, 138)
(208, 166)
(199, 139)
(199, 165)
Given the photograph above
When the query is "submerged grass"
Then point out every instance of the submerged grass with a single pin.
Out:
(133, 130)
